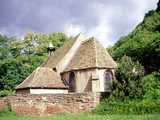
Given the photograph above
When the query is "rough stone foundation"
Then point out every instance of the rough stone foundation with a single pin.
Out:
(3, 104)
(50, 104)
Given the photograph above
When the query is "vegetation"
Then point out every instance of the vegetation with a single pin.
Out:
(143, 44)
(19, 57)
(83, 116)
(137, 107)
(136, 90)
(136, 97)
(128, 84)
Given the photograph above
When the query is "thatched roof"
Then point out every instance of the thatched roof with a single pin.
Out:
(88, 54)
(42, 77)
(55, 58)
(91, 54)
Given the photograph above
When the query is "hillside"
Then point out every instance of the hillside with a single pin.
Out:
(143, 43)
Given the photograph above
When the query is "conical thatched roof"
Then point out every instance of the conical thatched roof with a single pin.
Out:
(91, 54)
(42, 77)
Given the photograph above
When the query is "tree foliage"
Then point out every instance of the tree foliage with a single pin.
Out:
(128, 83)
(143, 44)
(19, 57)
(152, 86)
(140, 49)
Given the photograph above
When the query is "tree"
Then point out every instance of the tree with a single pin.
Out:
(37, 43)
(142, 44)
(19, 57)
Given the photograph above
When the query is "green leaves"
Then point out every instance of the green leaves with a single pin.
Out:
(143, 44)
(128, 84)
(37, 43)
(152, 86)
(19, 57)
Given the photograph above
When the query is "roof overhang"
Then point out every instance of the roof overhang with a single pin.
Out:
(87, 68)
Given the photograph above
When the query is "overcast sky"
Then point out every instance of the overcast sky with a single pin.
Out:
(107, 20)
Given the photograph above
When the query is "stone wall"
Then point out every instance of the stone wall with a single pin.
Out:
(3, 104)
(50, 104)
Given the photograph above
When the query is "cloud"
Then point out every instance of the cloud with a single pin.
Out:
(107, 20)
(113, 19)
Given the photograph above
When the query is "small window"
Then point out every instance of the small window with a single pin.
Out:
(108, 77)
(55, 69)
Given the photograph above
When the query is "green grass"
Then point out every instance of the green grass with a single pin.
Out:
(82, 116)
(145, 106)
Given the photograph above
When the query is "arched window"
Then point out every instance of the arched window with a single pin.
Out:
(108, 77)
(72, 82)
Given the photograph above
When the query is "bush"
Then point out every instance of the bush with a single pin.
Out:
(4, 93)
(128, 83)
(144, 106)
(152, 86)
(148, 103)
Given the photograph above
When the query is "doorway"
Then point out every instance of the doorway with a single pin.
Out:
(72, 82)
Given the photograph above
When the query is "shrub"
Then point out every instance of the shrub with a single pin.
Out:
(4, 93)
(144, 106)
(152, 86)
(128, 83)
(149, 102)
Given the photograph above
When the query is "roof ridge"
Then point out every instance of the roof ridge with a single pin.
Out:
(78, 40)
(95, 50)
(91, 54)
(86, 40)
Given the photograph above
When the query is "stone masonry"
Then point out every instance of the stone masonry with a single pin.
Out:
(40, 105)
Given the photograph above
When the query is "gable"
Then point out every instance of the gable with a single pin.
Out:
(62, 56)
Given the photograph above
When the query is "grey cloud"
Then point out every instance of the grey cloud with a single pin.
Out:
(18, 16)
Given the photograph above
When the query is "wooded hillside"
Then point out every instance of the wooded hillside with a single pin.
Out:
(143, 43)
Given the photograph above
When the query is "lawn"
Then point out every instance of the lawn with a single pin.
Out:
(82, 116)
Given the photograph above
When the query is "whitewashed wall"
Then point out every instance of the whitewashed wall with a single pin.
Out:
(48, 91)
(82, 78)
(105, 87)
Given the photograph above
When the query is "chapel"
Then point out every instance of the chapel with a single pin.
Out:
(80, 65)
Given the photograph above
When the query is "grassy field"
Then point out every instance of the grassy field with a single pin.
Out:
(82, 116)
